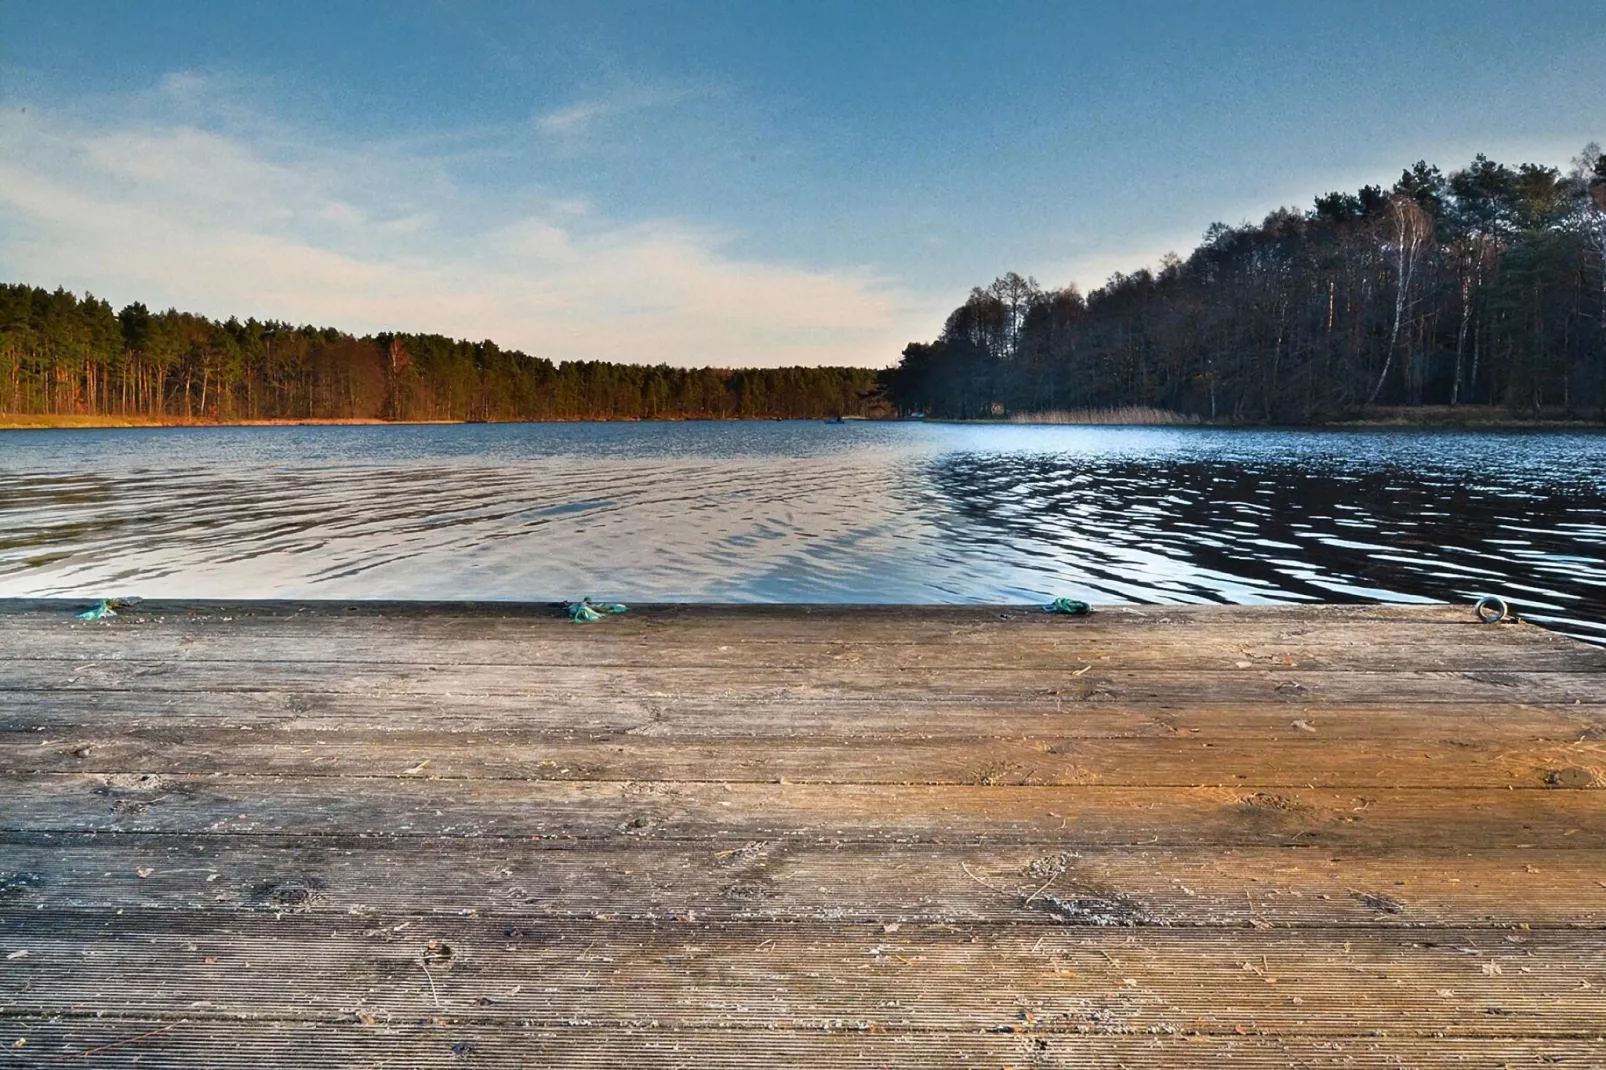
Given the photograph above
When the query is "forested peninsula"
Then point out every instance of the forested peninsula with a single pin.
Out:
(70, 359)
(1483, 287)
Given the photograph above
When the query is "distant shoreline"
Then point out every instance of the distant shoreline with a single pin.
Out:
(59, 422)
(1466, 418)
(49, 422)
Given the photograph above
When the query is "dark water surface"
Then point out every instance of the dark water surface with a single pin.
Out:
(808, 512)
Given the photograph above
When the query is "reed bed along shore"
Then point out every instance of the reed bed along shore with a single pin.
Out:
(1121, 414)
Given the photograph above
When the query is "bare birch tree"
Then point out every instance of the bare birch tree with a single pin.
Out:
(1410, 230)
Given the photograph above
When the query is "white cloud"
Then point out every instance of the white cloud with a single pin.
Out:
(583, 117)
(184, 87)
(573, 118)
(371, 238)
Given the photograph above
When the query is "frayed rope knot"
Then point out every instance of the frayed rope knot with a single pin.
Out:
(108, 607)
(586, 611)
(1068, 605)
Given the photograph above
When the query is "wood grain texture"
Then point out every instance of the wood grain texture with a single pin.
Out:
(602, 688)
(439, 1043)
(810, 975)
(838, 813)
(632, 878)
(1311, 753)
(317, 834)
(695, 717)
(1357, 645)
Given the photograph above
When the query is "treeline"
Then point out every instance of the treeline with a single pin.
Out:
(1486, 286)
(69, 355)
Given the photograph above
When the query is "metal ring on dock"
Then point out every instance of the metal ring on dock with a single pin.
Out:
(1492, 609)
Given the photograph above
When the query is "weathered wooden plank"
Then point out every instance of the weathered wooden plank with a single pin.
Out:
(460, 617)
(1373, 646)
(757, 976)
(1080, 814)
(693, 716)
(207, 1044)
(1302, 754)
(646, 826)
(587, 685)
(628, 878)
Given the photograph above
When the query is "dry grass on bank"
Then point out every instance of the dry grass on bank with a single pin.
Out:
(1124, 414)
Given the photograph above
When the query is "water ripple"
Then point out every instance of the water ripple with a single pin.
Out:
(809, 512)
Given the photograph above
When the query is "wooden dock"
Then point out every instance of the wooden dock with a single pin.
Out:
(405, 835)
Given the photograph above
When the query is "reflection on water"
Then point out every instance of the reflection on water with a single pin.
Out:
(809, 512)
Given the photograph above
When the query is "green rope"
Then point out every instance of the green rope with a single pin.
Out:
(108, 607)
(1068, 605)
(586, 611)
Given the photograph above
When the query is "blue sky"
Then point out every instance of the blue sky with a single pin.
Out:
(748, 182)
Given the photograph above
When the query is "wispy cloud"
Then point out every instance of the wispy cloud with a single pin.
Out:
(587, 115)
(574, 117)
(157, 208)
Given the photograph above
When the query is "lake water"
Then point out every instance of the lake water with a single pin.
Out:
(809, 512)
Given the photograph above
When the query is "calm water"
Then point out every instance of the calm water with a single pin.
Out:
(805, 512)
